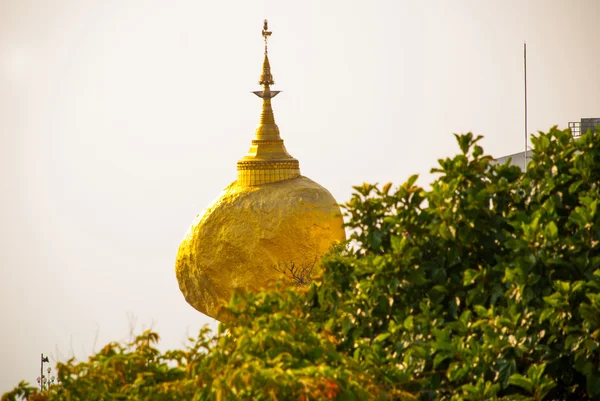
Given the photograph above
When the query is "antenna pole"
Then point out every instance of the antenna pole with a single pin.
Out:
(42, 373)
(525, 75)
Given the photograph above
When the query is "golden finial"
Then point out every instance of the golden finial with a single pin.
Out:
(268, 160)
(266, 33)
(266, 78)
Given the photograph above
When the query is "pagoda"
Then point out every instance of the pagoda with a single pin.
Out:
(270, 218)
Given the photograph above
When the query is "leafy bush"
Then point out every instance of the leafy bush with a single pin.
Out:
(485, 286)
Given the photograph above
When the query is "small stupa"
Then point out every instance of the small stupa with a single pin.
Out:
(270, 217)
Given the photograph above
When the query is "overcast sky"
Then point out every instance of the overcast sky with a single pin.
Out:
(121, 120)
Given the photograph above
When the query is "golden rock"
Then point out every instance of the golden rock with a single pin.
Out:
(270, 217)
(248, 232)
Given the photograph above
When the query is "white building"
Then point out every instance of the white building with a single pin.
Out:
(577, 128)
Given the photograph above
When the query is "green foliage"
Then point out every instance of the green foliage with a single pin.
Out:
(23, 391)
(484, 287)
(270, 351)
(131, 371)
(266, 352)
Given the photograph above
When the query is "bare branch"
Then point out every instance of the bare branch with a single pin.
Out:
(300, 274)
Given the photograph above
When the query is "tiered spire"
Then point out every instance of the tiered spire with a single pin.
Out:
(267, 160)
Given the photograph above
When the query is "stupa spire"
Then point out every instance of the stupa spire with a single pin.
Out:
(267, 129)
(267, 160)
(266, 78)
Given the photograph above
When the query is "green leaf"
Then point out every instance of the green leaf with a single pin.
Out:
(521, 381)
(470, 276)
(408, 323)
(411, 180)
(481, 311)
(590, 314)
(555, 300)
(546, 314)
(593, 385)
(551, 231)
(506, 368)
(574, 186)
(534, 372)
(382, 337)
(456, 371)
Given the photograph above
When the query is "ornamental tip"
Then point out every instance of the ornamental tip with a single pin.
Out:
(267, 120)
(266, 33)
(266, 78)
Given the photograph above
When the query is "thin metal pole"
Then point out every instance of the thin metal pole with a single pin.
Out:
(525, 75)
(42, 373)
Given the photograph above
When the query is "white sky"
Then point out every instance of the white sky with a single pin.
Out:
(121, 120)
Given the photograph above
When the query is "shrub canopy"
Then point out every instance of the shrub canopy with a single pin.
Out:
(485, 286)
